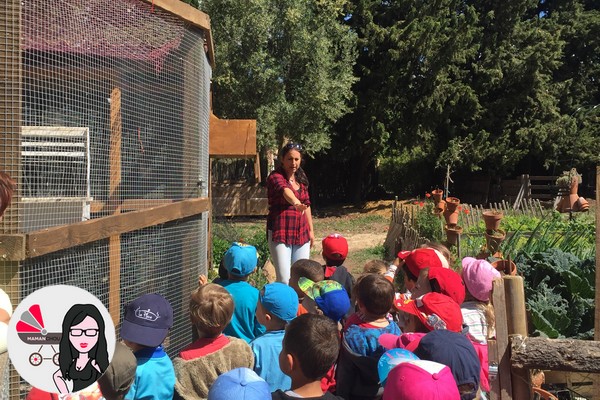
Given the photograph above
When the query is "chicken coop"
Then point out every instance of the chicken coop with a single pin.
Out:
(104, 124)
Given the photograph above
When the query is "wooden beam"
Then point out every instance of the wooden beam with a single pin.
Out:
(191, 15)
(129, 205)
(12, 247)
(63, 237)
(555, 354)
(516, 318)
(184, 11)
(114, 206)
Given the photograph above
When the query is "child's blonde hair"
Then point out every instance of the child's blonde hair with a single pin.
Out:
(211, 309)
(442, 249)
(375, 267)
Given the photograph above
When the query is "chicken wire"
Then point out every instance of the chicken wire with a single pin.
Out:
(72, 57)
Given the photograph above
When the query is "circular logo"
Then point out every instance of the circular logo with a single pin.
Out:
(61, 339)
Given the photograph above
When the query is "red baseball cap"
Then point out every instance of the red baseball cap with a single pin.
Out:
(450, 283)
(335, 247)
(421, 258)
(435, 310)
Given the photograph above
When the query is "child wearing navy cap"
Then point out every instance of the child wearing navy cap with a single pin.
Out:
(240, 261)
(145, 326)
(277, 306)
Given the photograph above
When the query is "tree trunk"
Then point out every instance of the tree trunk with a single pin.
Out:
(555, 354)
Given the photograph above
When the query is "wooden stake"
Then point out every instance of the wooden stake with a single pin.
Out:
(502, 389)
(516, 318)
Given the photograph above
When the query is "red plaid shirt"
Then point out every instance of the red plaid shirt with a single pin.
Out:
(288, 225)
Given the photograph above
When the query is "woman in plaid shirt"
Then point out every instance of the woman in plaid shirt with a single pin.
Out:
(289, 223)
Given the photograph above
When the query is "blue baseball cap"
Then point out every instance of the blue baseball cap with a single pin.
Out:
(147, 320)
(239, 384)
(390, 359)
(280, 300)
(241, 259)
(457, 352)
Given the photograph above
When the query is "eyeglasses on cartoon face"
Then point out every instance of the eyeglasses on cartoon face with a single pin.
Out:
(87, 332)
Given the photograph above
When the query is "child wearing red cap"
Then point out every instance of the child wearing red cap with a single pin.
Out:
(335, 251)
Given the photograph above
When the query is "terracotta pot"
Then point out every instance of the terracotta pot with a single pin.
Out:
(437, 195)
(450, 216)
(440, 206)
(452, 234)
(574, 186)
(506, 267)
(492, 219)
(582, 204)
(452, 203)
(493, 239)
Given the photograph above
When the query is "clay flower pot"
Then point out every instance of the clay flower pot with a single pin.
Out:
(437, 195)
(450, 216)
(506, 267)
(452, 203)
(494, 238)
(452, 234)
(582, 204)
(439, 207)
(492, 219)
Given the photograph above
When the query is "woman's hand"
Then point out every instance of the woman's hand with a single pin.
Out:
(300, 207)
(311, 235)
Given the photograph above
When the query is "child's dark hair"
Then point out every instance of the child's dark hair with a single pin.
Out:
(211, 309)
(333, 263)
(375, 293)
(409, 275)
(310, 269)
(314, 341)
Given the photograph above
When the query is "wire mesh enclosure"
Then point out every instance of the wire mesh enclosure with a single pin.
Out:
(104, 111)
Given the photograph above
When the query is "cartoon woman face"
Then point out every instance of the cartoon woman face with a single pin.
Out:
(84, 335)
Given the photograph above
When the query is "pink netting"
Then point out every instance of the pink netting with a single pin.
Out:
(129, 29)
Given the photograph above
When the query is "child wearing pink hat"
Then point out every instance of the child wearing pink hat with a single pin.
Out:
(420, 380)
(477, 311)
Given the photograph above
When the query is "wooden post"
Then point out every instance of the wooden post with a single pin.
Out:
(597, 311)
(10, 154)
(502, 385)
(114, 204)
(516, 318)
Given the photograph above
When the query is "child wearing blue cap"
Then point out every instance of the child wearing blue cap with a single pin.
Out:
(277, 305)
(240, 261)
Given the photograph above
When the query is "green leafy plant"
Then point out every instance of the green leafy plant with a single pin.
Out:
(426, 222)
(559, 292)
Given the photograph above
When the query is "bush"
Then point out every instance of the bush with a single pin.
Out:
(559, 292)
(224, 233)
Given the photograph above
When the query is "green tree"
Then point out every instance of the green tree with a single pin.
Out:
(286, 63)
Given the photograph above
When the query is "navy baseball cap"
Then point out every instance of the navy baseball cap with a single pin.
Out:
(457, 352)
(147, 320)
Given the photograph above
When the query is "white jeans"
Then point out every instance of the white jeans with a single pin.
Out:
(284, 255)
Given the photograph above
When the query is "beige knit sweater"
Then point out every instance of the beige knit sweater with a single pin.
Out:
(195, 377)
